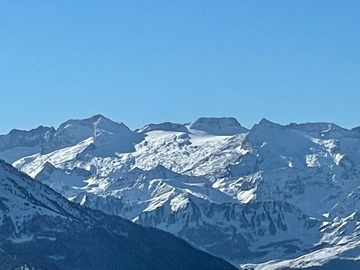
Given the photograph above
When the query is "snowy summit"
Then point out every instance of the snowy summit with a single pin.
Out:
(270, 197)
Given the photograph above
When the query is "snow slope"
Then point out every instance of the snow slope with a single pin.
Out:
(267, 198)
(41, 229)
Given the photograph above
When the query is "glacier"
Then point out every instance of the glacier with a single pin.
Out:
(269, 197)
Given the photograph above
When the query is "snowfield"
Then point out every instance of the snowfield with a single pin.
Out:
(269, 197)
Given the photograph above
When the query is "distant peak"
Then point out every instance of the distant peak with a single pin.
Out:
(218, 125)
(39, 129)
(324, 130)
(266, 122)
(97, 117)
(93, 122)
(317, 126)
(92, 119)
(166, 126)
(76, 130)
(219, 121)
(106, 124)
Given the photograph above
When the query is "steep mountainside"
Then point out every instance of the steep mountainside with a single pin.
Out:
(41, 229)
(270, 197)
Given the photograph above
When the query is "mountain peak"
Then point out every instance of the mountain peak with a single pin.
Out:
(97, 117)
(166, 126)
(324, 130)
(264, 125)
(76, 130)
(266, 122)
(218, 125)
(91, 122)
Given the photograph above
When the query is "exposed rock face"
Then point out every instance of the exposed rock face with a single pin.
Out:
(41, 229)
(272, 196)
(218, 126)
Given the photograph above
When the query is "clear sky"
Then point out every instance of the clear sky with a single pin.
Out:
(153, 61)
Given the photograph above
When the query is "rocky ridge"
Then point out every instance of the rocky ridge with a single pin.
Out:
(272, 196)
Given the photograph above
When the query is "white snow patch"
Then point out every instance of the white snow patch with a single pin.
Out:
(21, 239)
(246, 196)
(178, 203)
(311, 160)
(46, 238)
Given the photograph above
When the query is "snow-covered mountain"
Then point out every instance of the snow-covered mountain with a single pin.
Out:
(272, 197)
(41, 229)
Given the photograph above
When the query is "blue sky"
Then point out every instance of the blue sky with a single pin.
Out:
(153, 61)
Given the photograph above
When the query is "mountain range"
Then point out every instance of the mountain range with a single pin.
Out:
(270, 197)
(40, 229)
